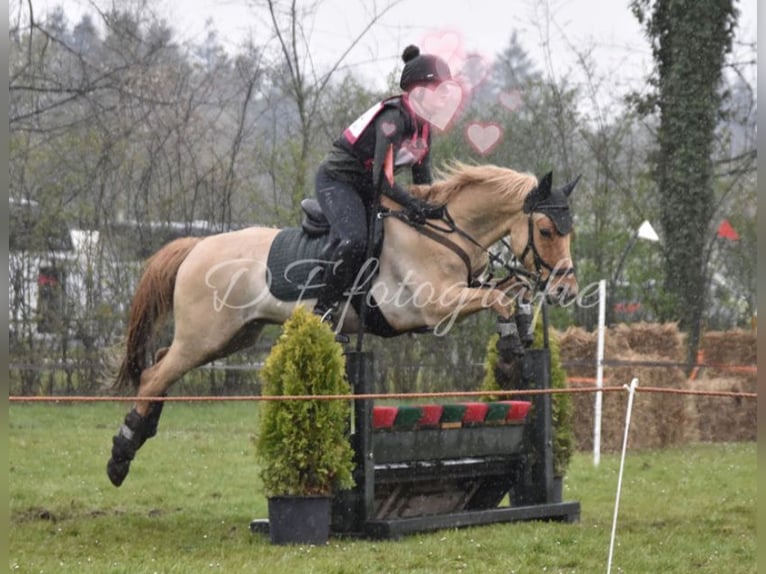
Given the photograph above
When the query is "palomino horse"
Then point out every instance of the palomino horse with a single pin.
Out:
(224, 288)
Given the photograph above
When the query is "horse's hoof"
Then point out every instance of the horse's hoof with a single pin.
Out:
(117, 470)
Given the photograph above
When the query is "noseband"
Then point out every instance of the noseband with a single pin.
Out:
(540, 263)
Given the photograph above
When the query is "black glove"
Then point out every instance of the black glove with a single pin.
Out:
(418, 211)
(434, 211)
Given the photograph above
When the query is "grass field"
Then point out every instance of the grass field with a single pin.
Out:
(193, 489)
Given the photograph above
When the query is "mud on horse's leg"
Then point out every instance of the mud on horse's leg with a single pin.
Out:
(129, 438)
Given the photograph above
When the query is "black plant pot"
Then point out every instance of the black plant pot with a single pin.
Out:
(299, 519)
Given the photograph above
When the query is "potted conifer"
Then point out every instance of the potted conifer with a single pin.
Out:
(302, 446)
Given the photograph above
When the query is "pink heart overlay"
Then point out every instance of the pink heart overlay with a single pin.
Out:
(445, 44)
(511, 100)
(437, 106)
(483, 137)
(388, 128)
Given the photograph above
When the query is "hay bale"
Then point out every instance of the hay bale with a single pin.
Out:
(658, 420)
(737, 347)
(661, 340)
(724, 419)
(661, 419)
(578, 348)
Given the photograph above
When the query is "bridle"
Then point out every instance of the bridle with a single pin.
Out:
(539, 262)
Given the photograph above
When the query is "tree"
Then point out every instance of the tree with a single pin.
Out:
(690, 40)
(299, 90)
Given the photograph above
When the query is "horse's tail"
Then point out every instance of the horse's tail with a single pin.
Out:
(152, 301)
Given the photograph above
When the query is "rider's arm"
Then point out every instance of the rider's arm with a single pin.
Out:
(389, 129)
(421, 171)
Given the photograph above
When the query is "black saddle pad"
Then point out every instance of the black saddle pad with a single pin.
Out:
(296, 264)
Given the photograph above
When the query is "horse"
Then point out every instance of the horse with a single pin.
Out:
(223, 289)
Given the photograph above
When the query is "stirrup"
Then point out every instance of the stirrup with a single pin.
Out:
(325, 314)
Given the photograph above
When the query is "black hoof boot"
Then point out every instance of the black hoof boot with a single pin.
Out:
(509, 345)
(117, 470)
(524, 325)
(124, 446)
(131, 436)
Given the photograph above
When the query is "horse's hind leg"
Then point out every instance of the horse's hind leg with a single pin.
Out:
(141, 422)
(186, 353)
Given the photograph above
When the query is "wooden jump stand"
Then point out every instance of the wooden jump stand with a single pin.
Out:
(410, 480)
(413, 480)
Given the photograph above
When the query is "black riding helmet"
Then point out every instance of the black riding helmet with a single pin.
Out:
(422, 68)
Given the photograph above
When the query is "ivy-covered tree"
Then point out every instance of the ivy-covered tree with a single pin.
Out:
(690, 40)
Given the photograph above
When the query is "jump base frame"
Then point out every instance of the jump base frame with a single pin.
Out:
(415, 475)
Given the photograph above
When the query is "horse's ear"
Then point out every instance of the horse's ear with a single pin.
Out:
(538, 194)
(544, 187)
(567, 189)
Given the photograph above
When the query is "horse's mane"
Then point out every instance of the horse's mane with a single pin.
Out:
(455, 176)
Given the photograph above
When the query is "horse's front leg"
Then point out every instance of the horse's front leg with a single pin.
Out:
(514, 316)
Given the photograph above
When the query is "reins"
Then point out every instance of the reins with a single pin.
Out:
(435, 232)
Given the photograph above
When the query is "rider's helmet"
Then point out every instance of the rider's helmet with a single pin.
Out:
(422, 68)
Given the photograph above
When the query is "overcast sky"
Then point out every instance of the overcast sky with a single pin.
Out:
(606, 28)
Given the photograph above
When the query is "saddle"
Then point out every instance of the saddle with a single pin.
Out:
(314, 222)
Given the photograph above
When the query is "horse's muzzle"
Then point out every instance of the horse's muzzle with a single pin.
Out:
(561, 292)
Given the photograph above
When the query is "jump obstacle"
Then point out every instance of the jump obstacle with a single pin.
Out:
(429, 467)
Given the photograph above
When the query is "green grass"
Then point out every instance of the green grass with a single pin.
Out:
(193, 489)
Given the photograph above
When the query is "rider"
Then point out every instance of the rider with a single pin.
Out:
(347, 179)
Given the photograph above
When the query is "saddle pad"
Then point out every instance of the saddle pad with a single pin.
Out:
(296, 265)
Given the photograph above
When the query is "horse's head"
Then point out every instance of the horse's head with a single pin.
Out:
(544, 241)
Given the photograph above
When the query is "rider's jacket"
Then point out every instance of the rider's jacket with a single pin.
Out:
(358, 155)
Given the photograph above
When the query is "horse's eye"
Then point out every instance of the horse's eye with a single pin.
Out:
(546, 233)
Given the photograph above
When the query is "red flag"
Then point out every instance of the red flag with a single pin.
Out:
(726, 231)
(388, 164)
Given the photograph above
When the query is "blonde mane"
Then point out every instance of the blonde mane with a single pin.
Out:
(511, 185)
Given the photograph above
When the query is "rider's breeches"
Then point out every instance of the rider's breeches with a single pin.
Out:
(347, 215)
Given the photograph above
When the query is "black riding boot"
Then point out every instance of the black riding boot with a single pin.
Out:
(338, 278)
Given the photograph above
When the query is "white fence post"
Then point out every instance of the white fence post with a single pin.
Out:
(599, 372)
(631, 393)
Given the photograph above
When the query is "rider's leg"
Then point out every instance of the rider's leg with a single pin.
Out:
(347, 215)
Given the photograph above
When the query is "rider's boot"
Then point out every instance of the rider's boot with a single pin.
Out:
(328, 313)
